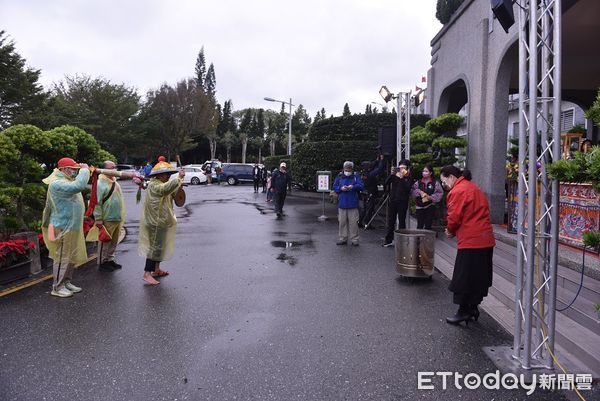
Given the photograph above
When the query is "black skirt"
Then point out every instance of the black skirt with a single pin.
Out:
(472, 276)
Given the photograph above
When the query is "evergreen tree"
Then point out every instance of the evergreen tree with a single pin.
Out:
(300, 123)
(260, 127)
(21, 95)
(246, 121)
(346, 112)
(201, 69)
(210, 83)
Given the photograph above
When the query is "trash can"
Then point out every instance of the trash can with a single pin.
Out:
(415, 252)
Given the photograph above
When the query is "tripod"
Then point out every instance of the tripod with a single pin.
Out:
(383, 201)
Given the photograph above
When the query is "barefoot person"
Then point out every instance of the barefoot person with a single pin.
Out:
(62, 223)
(158, 222)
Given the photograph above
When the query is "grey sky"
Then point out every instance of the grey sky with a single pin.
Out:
(319, 53)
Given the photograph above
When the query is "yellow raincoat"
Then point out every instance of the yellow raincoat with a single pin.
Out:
(158, 222)
(63, 216)
(112, 212)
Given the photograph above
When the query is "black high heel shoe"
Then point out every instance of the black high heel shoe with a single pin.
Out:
(475, 313)
(462, 315)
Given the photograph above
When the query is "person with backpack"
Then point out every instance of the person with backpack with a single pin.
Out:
(348, 185)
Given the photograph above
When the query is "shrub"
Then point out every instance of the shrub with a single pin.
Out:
(310, 157)
(358, 127)
(445, 124)
(445, 9)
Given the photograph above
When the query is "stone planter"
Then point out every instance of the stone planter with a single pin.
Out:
(15, 272)
(579, 212)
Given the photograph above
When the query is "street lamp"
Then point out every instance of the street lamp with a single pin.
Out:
(289, 150)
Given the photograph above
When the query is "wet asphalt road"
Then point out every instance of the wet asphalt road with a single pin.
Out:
(255, 308)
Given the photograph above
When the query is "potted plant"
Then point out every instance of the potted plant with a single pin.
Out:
(14, 260)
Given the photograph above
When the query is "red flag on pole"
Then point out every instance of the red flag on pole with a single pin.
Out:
(423, 79)
(417, 88)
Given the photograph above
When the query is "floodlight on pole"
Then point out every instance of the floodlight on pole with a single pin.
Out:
(289, 147)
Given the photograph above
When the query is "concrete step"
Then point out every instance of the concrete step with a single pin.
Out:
(581, 343)
(566, 277)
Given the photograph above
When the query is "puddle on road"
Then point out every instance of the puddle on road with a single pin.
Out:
(292, 244)
(290, 260)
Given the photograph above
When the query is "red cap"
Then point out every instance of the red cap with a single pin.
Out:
(67, 162)
(162, 159)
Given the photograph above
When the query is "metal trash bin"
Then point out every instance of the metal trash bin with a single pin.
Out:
(415, 252)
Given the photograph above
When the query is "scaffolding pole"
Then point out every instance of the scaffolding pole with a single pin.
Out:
(539, 145)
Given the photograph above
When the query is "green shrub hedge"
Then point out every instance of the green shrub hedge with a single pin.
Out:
(358, 127)
(310, 157)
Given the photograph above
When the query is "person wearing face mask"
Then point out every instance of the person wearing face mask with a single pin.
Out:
(62, 223)
(427, 192)
(348, 185)
(158, 223)
(399, 185)
(469, 221)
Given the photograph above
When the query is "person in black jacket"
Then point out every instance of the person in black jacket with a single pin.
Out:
(280, 180)
(400, 185)
(256, 176)
(263, 179)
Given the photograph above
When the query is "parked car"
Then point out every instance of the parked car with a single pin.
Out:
(193, 175)
(234, 173)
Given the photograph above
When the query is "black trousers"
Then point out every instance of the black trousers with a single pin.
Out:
(425, 217)
(396, 209)
(150, 265)
(279, 200)
(256, 183)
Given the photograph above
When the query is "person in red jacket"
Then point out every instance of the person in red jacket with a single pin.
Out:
(469, 221)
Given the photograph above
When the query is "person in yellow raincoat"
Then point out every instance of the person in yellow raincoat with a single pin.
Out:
(62, 223)
(158, 222)
(110, 213)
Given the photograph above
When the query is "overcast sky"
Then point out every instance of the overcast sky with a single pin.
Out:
(319, 53)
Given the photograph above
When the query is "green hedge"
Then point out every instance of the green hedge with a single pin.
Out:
(358, 127)
(272, 162)
(310, 157)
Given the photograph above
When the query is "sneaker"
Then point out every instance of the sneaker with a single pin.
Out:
(115, 264)
(387, 244)
(355, 244)
(340, 242)
(73, 288)
(107, 267)
(278, 215)
(63, 292)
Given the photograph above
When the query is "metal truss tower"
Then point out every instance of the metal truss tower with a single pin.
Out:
(539, 144)
(403, 108)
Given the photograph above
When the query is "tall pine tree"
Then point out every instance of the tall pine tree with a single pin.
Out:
(346, 112)
(201, 69)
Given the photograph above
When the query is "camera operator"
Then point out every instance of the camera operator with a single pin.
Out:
(400, 185)
(370, 177)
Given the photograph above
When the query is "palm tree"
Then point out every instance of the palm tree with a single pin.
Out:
(228, 140)
(243, 137)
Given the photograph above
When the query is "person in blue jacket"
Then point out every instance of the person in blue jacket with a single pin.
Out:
(348, 185)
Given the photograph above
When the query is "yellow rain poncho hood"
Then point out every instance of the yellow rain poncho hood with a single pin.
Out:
(62, 220)
(158, 222)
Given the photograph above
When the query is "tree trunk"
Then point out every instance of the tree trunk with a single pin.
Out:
(213, 147)
(259, 155)
(272, 147)
(228, 154)
(244, 146)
